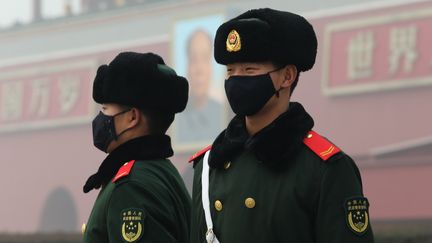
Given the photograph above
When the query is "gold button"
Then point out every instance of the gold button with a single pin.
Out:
(250, 202)
(218, 205)
(309, 135)
(83, 228)
(227, 165)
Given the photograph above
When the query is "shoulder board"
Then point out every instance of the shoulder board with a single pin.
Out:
(124, 170)
(320, 146)
(200, 153)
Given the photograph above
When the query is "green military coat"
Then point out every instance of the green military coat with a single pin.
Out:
(146, 201)
(285, 184)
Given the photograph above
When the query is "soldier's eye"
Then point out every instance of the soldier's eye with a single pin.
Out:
(250, 69)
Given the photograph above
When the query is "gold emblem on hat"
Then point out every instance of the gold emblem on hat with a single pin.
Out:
(233, 42)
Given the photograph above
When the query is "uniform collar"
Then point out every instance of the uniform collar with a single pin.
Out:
(141, 148)
(273, 145)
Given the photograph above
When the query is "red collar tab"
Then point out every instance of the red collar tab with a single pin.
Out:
(198, 154)
(124, 170)
(320, 146)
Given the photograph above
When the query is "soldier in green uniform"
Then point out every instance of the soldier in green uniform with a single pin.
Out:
(142, 197)
(268, 177)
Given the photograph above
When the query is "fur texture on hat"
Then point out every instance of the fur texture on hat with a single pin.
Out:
(260, 35)
(141, 80)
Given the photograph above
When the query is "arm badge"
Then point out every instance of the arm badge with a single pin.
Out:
(132, 226)
(357, 214)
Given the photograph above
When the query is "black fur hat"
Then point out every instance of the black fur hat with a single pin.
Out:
(267, 35)
(141, 80)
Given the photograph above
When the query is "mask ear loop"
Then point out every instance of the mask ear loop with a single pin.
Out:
(277, 91)
(127, 129)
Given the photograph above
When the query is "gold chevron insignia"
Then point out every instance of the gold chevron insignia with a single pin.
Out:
(328, 151)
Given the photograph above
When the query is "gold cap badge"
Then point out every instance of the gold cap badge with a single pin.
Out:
(233, 42)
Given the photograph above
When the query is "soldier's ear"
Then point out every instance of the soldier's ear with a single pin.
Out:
(134, 117)
(290, 74)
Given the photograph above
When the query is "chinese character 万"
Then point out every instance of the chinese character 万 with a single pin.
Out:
(39, 104)
(69, 92)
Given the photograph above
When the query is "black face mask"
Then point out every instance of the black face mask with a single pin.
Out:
(104, 130)
(248, 94)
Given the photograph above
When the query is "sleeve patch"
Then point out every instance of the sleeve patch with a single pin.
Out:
(124, 170)
(320, 146)
(132, 227)
(200, 153)
(357, 214)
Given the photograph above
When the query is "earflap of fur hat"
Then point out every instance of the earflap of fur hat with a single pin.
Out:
(101, 75)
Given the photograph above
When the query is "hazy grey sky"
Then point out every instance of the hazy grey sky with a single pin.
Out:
(21, 10)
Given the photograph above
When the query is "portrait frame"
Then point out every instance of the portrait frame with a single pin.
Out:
(187, 135)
